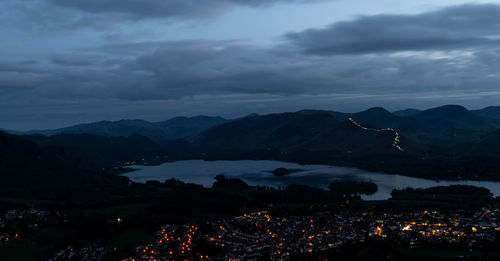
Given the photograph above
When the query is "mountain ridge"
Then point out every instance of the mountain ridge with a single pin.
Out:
(174, 128)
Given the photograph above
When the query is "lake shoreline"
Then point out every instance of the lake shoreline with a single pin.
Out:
(326, 164)
(259, 173)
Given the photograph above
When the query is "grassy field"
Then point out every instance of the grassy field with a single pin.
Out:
(133, 237)
(26, 202)
(20, 250)
(59, 234)
(121, 210)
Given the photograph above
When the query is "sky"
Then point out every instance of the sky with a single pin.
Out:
(70, 61)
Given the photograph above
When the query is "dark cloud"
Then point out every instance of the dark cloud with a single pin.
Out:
(175, 70)
(108, 15)
(165, 8)
(461, 27)
(69, 59)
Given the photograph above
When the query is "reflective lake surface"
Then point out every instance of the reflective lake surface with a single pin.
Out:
(260, 173)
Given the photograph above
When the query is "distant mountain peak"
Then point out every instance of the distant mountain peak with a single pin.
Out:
(376, 113)
(450, 108)
(377, 110)
(446, 111)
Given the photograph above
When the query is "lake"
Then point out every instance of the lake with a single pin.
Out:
(259, 172)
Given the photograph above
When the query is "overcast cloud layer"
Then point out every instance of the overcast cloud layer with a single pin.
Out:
(162, 9)
(454, 28)
(100, 68)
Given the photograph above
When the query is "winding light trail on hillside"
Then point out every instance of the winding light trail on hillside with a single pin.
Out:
(397, 140)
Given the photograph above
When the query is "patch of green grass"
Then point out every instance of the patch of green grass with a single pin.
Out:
(23, 201)
(133, 237)
(59, 234)
(121, 210)
(20, 250)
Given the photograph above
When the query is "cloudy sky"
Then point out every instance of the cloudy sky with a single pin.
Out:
(71, 61)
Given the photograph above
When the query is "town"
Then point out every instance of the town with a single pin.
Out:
(24, 224)
(258, 235)
(262, 235)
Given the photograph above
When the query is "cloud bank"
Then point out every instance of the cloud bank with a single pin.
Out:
(455, 28)
(446, 56)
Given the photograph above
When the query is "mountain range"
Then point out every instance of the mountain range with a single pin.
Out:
(444, 142)
(449, 124)
(172, 129)
(291, 132)
(446, 123)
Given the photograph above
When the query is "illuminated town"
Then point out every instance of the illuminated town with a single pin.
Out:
(257, 235)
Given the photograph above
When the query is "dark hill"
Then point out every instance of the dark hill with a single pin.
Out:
(488, 144)
(28, 170)
(15, 152)
(376, 112)
(292, 132)
(340, 116)
(246, 134)
(492, 112)
(183, 127)
(444, 126)
(453, 123)
(447, 112)
(378, 118)
(101, 151)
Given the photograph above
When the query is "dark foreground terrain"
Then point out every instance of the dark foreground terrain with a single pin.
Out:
(178, 221)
